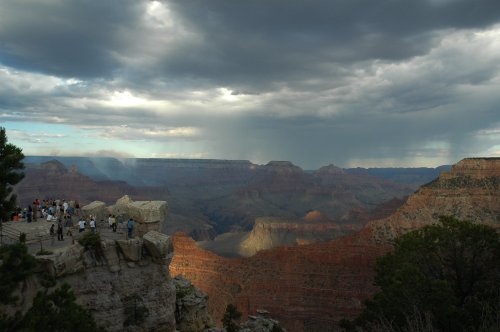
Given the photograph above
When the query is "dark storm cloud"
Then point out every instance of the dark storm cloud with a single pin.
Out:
(254, 42)
(314, 82)
(231, 42)
(66, 38)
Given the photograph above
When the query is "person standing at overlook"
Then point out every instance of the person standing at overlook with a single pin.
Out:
(81, 225)
(65, 206)
(35, 211)
(113, 223)
(60, 230)
(130, 227)
(92, 225)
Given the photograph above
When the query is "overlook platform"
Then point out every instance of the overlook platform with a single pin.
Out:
(38, 234)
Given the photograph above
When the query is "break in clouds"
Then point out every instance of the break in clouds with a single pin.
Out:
(315, 82)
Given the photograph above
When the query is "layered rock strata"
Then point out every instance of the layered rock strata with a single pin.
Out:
(305, 287)
(52, 179)
(470, 191)
(268, 233)
(312, 287)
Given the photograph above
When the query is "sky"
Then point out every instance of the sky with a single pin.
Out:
(349, 82)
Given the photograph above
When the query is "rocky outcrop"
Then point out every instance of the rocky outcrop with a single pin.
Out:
(269, 233)
(148, 215)
(312, 287)
(96, 209)
(256, 323)
(111, 278)
(470, 191)
(158, 245)
(131, 249)
(260, 323)
(191, 311)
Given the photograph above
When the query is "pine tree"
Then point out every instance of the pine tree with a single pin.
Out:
(11, 167)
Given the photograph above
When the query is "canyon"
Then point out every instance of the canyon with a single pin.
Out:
(208, 198)
(312, 287)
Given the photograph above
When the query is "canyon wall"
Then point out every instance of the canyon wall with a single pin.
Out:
(312, 287)
(52, 179)
(211, 197)
(470, 191)
(306, 288)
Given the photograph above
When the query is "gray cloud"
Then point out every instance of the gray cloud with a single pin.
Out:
(313, 82)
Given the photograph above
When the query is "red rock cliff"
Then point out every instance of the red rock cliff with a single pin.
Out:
(306, 287)
(312, 287)
(470, 191)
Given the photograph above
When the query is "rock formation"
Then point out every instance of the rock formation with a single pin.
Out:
(191, 312)
(312, 287)
(148, 215)
(470, 191)
(268, 233)
(307, 288)
(108, 280)
(261, 322)
(210, 197)
(96, 209)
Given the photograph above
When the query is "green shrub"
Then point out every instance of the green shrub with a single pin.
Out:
(446, 276)
(92, 243)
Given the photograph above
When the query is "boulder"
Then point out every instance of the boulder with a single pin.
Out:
(121, 207)
(131, 249)
(97, 209)
(148, 211)
(65, 261)
(158, 245)
(148, 215)
(124, 200)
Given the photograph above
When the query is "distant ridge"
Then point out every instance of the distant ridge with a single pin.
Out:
(111, 168)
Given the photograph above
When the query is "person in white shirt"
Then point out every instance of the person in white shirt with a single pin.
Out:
(81, 225)
(92, 225)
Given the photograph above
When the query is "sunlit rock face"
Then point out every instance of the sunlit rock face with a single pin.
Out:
(312, 287)
(470, 191)
(269, 233)
(306, 287)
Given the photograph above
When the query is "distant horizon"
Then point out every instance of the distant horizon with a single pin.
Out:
(250, 161)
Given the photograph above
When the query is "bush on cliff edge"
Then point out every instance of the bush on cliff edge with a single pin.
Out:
(441, 277)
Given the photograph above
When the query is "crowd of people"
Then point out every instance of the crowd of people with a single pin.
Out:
(60, 213)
